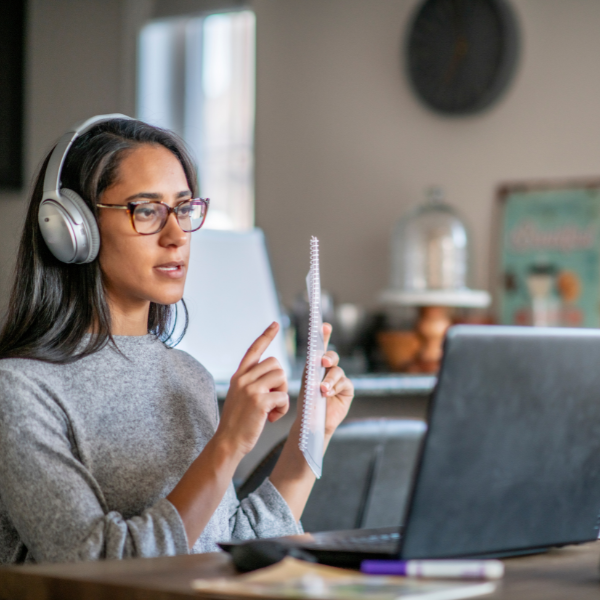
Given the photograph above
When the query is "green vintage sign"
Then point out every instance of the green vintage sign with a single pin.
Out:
(550, 258)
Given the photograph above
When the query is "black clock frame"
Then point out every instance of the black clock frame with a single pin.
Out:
(504, 69)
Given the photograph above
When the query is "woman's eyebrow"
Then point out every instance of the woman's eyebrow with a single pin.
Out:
(156, 196)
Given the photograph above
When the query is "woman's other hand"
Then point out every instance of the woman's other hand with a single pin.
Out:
(258, 392)
(292, 476)
(336, 387)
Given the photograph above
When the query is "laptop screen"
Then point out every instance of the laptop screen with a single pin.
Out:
(511, 460)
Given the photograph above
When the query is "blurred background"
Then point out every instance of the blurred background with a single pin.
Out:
(446, 153)
(304, 119)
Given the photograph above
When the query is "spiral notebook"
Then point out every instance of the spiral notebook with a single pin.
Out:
(314, 406)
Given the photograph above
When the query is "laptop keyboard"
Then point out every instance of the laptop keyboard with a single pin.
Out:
(384, 540)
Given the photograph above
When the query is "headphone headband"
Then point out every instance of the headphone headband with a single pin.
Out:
(55, 164)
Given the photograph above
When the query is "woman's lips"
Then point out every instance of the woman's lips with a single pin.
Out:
(171, 270)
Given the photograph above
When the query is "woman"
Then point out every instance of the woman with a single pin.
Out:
(111, 444)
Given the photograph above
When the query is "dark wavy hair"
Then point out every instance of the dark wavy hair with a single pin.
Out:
(53, 305)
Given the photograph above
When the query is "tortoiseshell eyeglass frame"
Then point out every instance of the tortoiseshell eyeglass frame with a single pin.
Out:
(131, 206)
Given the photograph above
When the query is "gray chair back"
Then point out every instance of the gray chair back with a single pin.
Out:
(367, 474)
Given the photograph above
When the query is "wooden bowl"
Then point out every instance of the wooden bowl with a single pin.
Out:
(400, 348)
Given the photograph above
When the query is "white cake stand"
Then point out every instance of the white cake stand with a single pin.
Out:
(464, 298)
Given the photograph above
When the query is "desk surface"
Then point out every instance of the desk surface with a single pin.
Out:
(561, 574)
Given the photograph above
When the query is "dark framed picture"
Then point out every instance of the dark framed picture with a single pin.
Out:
(549, 254)
(12, 68)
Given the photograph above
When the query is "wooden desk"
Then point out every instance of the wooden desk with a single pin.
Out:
(562, 574)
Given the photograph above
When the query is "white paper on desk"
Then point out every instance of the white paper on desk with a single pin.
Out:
(314, 405)
(298, 579)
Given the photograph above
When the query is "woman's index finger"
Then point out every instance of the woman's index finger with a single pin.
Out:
(258, 346)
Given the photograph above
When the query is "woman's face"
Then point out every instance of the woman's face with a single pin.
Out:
(139, 269)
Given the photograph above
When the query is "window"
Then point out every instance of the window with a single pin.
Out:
(197, 77)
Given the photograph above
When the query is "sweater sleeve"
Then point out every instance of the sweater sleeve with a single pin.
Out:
(262, 514)
(54, 502)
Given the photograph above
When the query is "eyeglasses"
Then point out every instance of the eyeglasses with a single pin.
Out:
(150, 216)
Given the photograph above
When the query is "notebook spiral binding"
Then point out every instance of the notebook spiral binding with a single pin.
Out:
(313, 319)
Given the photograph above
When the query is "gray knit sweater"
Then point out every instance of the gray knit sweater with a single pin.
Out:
(90, 450)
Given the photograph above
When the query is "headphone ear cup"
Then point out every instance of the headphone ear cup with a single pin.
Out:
(90, 224)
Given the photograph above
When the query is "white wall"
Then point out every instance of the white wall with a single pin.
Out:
(11, 205)
(343, 147)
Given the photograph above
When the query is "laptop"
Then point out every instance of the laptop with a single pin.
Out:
(510, 463)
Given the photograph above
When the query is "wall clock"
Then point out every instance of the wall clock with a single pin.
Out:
(461, 54)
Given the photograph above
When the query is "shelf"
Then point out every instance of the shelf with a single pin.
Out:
(384, 384)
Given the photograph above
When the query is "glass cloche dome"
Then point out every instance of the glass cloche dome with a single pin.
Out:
(430, 248)
(430, 261)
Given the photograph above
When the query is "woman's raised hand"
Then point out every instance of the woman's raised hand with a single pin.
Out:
(292, 476)
(257, 393)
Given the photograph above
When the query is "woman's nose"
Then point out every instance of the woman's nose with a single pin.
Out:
(172, 232)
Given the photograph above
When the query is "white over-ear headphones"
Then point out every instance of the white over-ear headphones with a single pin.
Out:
(66, 222)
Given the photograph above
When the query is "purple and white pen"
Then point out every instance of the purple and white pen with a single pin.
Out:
(439, 569)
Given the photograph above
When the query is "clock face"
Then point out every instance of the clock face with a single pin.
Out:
(462, 53)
